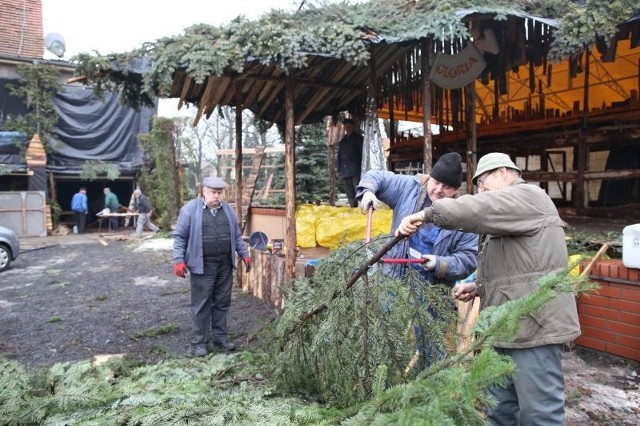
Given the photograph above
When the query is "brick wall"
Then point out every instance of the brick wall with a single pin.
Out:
(21, 30)
(610, 318)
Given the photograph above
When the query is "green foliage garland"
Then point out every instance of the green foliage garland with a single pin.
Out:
(160, 181)
(37, 86)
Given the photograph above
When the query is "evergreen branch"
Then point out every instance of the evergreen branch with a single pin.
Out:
(363, 269)
(238, 379)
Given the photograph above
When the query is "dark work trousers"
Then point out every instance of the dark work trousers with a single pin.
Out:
(534, 395)
(350, 183)
(81, 220)
(210, 301)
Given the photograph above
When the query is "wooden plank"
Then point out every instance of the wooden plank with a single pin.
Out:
(274, 94)
(203, 100)
(267, 186)
(185, 90)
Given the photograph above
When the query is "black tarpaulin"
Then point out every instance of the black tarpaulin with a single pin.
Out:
(94, 129)
(11, 145)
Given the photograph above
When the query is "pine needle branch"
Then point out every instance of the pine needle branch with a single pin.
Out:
(363, 269)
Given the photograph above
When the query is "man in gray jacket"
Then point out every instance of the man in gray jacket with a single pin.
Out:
(143, 207)
(206, 240)
(522, 239)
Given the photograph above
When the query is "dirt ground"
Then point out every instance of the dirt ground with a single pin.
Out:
(69, 302)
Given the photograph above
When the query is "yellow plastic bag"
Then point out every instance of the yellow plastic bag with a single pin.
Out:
(575, 272)
(306, 225)
(306, 217)
(350, 225)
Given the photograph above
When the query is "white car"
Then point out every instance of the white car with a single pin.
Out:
(9, 247)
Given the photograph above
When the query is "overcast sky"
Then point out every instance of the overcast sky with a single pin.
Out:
(116, 26)
(123, 25)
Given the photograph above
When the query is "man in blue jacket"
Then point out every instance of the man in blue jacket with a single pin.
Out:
(449, 255)
(206, 240)
(80, 208)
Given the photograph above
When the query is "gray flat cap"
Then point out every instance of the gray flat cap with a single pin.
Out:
(214, 182)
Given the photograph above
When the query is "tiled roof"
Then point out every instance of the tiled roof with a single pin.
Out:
(21, 32)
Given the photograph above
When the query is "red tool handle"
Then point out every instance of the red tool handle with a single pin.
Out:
(392, 260)
(369, 220)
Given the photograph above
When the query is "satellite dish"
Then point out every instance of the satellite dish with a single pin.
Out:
(55, 44)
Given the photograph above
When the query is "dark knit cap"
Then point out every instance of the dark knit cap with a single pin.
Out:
(448, 169)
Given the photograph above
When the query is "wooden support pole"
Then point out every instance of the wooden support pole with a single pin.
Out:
(290, 173)
(472, 140)
(238, 165)
(427, 155)
(582, 187)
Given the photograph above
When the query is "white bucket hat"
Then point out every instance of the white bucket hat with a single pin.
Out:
(492, 161)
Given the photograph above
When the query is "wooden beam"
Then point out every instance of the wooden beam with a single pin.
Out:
(238, 164)
(572, 176)
(582, 190)
(203, 100)
(427, 154)
(290, 173)
(318, 98)
(472, 137)
(308, 82)
(269, 100)
(186, 85)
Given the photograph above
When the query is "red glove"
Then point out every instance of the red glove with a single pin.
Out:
(181, 269)
(247, 263)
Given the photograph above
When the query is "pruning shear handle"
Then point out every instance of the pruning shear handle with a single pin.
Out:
(412, 260)
(369, 221)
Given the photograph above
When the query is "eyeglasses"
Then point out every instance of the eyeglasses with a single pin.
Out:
(480, 180)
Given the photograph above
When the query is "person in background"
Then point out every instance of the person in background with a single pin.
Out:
(131, 209)
(522, 240)
(79, 205)
(350, 160)
(143, 207)
(206, 239)
(449, 255)
(112, 203)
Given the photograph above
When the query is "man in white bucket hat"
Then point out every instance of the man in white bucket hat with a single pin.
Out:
(522, 240)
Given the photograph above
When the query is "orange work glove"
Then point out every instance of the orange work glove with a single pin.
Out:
(181, 269)
(247, 263)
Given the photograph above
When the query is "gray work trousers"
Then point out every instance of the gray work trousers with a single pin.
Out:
(143, 220)
(534, 395)
(210, 301)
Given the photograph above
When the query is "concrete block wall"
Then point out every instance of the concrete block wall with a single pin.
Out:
(610, 318)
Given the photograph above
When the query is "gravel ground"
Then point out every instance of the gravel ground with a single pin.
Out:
(72, 302)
